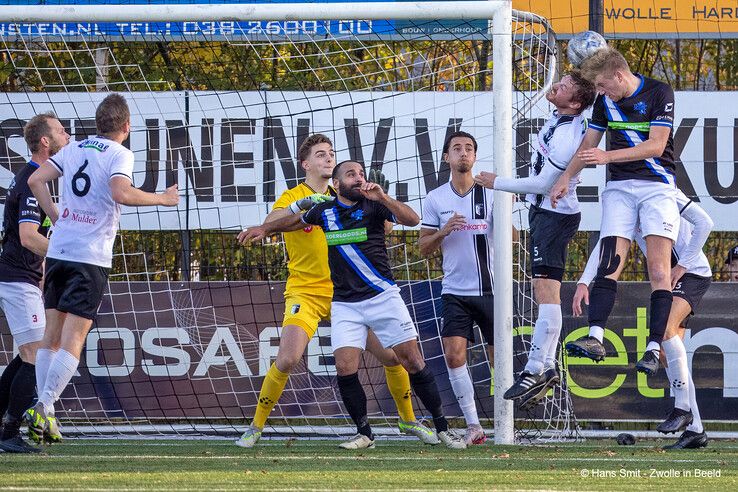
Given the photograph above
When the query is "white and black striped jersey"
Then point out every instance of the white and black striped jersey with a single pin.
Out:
(467, 253)
(88, 215)
(554, 147)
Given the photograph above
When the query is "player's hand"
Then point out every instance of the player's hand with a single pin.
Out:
(308, 202)
(372, 191)
(581, 294)
(594, 156)
(455, 223)
(170, 197)
(676, 274)
(486, 179)
(559, 190)
(376, 176)
(251, 234)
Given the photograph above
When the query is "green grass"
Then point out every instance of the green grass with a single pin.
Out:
(393, 465)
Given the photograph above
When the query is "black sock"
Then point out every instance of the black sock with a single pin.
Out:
(424, 385)
(6, 380)
(354, 398)
(601, 301)
(22, 393)
(659, 315)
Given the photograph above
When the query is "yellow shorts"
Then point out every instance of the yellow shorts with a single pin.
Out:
(306, 311)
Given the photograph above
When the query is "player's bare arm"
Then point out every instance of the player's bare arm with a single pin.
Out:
(561, 187)
(658, 136)
(430, 240)
(31, 239)
(404, 214)
(124, 193)
(38, 184)
(288, 223)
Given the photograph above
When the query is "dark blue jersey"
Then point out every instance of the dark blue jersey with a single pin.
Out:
(628, 122)
(357, 254)
(19, 264)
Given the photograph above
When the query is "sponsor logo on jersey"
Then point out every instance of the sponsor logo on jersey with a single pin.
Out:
(446, 212)
(95, 145)
(669, 107)
(295, 309)
(81, 216)
(307, 229)
(31, 202)
(349, 236)
(668, 227)
(640, 106)
(65, 214)
(480, 226)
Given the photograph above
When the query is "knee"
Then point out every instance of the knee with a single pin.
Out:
(659, 275)
(454, 360)
(27, 352)
(413, 363)
(287, 362)
(345, 368)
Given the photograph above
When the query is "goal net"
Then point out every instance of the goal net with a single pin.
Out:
(220, 103)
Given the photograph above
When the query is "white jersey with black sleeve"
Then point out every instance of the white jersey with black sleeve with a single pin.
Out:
(88, 215)
(467, 253)
(551, 151)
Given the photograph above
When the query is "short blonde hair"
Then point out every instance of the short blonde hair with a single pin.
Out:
(605, 61)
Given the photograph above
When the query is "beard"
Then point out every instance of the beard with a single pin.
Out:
(350, 192)
(463, 167)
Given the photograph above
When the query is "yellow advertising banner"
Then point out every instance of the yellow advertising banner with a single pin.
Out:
(642, 18)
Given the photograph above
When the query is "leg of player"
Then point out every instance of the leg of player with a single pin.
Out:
(21, 391)
(62, 369)
(613, 253)
(454, 350)
(659, 273)
(292, 344)
(424, 386)
(677, 369)
(540, 373)
(398, 382)
(353, 396)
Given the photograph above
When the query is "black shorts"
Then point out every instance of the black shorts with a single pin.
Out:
(72, 287)
(550, 233)
(692, 288)
(461, 312)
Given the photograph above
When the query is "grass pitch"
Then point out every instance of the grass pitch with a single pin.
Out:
(393, 465)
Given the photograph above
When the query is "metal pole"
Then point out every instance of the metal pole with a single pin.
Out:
(597, 16)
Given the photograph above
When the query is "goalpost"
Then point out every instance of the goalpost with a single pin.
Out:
(221, 97)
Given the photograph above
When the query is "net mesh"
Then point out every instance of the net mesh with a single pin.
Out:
(191, 321)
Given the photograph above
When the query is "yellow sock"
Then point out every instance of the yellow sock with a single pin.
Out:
(398, 382)
(271, 390)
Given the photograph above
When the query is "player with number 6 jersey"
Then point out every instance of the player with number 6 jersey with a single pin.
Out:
(96, 176)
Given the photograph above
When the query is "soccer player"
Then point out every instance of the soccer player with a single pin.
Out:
(25, 227)
(365, 295)
(308, 296)
(96, 178)
(731, 264)
(638, 113)
(457, 218)
(691, 277)
(550, 230)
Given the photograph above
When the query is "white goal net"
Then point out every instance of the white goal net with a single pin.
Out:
(220, 103)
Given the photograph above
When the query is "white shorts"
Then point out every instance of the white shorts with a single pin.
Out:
(385, 314)
(632, 202)
(23, 306)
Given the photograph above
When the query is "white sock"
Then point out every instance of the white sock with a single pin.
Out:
(543, 331)
(555, 323)
(44, 357)
(60, 373)
(463, 388)
(696, 425)
(654, 346)
(597, 332)
(676, 357)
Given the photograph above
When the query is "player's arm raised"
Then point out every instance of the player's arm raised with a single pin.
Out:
(404, 214)
(658, 137)
(124, 193)
(286, 223)
(561, 187)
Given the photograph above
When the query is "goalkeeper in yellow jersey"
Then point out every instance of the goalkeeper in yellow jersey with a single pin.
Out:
(308, 297)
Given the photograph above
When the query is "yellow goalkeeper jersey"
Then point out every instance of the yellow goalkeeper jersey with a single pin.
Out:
(307, 250)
